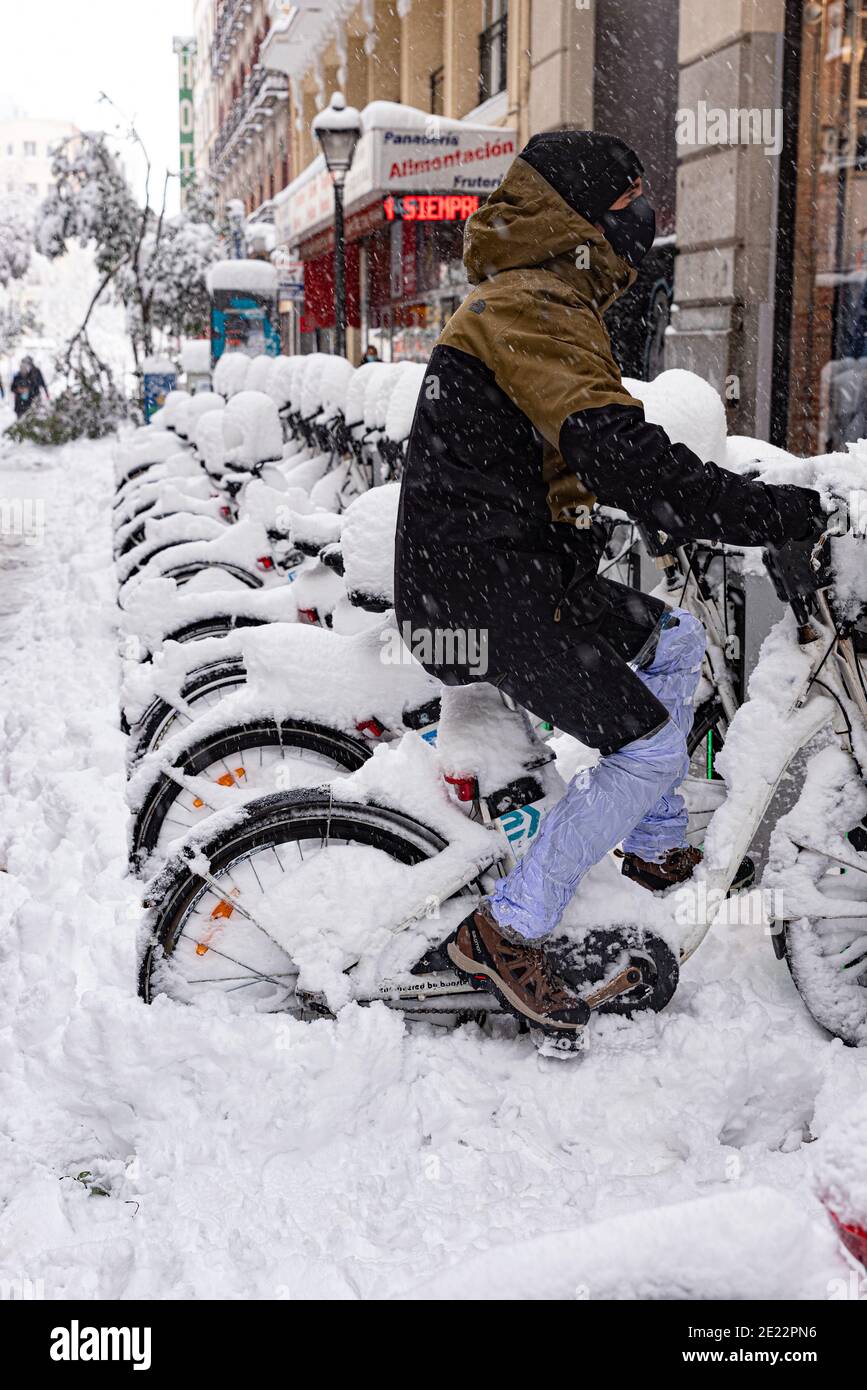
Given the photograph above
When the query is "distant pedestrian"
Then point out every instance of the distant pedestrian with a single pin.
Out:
(27, 383)
(370, 354)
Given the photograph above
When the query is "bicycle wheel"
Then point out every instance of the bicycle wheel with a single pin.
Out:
(203, 688)
(819, 877)
(829, 968)
(827, 956)
(220, 935)
(133, 539)
(254, 758)
(216, 626)
(215, 574)
(158, 548)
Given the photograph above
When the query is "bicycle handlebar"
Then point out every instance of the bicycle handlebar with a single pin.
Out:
(798, 570)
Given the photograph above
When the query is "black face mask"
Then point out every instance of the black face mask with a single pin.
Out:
(631, 230)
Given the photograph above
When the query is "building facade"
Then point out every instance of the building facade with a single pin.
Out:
(825, 367)
(750, 116)
(241, 105)
(459, 76)
(506, 68)
(27, 148)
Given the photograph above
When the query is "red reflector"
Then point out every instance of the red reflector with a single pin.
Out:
(226, 513)
(308, 615)
(264, 562)
(854, 1238)
(371, 726)
(466, 788)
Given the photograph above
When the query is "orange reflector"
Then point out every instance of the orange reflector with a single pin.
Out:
(223, 909)
(198, 803)
(228, 780)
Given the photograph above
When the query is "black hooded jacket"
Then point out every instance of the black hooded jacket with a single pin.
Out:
(523, 421)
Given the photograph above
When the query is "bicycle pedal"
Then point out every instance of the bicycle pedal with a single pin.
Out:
(560, 1046)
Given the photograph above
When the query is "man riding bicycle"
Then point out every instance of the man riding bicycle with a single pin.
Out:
(522, 423)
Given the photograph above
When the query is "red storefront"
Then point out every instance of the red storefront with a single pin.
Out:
(412, 186)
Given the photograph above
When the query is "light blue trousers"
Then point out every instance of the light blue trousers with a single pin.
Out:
(630, 795)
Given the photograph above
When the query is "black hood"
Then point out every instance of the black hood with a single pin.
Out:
(588, 169)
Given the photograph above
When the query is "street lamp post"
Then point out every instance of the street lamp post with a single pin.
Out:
(235, 218)
(338, 129)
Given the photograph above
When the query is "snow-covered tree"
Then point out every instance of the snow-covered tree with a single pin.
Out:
(91, 203)
(172, 263)
(153, 264)
(16, 239)
(16, 320)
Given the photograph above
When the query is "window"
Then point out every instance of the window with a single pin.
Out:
(31, 190)
(436, 92)
(29, 149)
(492, 49)
(827, 350)
(10, 150)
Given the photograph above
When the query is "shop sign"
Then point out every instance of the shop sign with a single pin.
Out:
(430, 207)
(290, 273)
(157, 386)
(358, 223)
(186, 50)
(310, 204)
(459, 160)
(453, 157)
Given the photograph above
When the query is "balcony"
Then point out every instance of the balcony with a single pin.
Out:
(231, 20)
(262, 93)
(298, 32)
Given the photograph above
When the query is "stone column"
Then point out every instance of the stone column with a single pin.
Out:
(461, 29)
(730, 54)
(561, 65)
(421, 51)
(384, 62)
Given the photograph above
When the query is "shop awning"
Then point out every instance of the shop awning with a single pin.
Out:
(402, 150)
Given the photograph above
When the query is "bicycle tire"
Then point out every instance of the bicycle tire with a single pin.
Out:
(344, 750)
(149, 730)
(267, 823)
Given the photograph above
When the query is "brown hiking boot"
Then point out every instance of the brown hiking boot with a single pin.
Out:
(675, 867)
(517, 972)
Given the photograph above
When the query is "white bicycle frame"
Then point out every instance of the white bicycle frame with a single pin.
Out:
(808, 712)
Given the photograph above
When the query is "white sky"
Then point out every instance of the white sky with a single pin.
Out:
(56, 56)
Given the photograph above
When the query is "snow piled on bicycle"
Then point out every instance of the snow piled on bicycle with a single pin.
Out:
(170, 1152)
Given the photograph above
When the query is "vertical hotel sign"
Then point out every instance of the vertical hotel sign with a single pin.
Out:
(186, 51)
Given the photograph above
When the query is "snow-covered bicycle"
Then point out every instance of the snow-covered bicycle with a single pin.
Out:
(308, 898)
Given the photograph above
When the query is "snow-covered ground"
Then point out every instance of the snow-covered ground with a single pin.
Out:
(170, 1152)
(60, 292)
